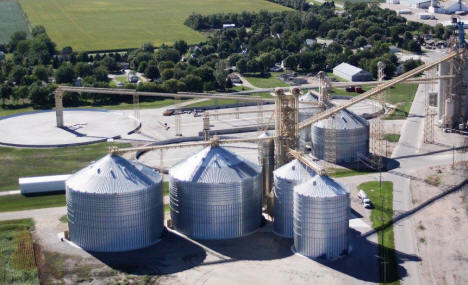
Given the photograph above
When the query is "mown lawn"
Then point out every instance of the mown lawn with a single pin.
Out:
(11, 203)
(18, 162)
(391, 137)
(401, 95)
(381, 214)
(17, 262)
(119, 24)
(265, 82)
(345, 172)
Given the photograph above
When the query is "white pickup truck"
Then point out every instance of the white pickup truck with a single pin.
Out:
(365, 199)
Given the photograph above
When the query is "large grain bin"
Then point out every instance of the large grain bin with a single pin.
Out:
(215, 194)
(115, 205)
(340, 138)
(321, 218)
(285, 179)
(306, 111)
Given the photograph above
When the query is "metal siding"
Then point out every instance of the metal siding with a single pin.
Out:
(285, 179)
(304, 134)
(321, 222)
(352, 138)
(216, 210)
(115, 222)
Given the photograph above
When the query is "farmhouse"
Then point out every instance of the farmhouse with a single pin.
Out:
(351, 73)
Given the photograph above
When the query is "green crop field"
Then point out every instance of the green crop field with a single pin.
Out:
(11, 20)
(119, 24)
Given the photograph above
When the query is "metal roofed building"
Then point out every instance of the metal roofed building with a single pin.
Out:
(215, 194)
(351, 73)
(115, 205)
(422, 4)
(321, 218)
(285, 179)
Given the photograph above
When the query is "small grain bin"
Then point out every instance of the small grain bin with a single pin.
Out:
(285, 179)
(215, 194)
(321, 218)
(115, 205)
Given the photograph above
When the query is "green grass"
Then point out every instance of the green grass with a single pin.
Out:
(10, 203)
(391, 137)
(12, 111)
(11, 20)
(18, 162)
(165, 188)
(401, 95)
(240, 88)
(345, 172)
(119, 24)
(380, 215)
(17, 262)
(265, 82)
(211, 102)
(64, 219)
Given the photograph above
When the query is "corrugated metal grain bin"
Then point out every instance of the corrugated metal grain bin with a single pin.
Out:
(115, 205)
(340, 138)
(306, 111)
(321, 218)
(285, 178)
(216, 194)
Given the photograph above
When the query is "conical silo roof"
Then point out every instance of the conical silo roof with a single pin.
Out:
(321, 187)
(294, 170)
(308, 97)
(214, 164)
(113, 174)
(343, 120)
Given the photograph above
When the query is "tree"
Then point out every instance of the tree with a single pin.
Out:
(411, 64)
(167, 74)
(168, 54)
(109, 63)
(193, 83)
(360, 42)
(414, 46)
(266, 61)
(15, 38)
(241, 65)
(65, 74)
(152, 71)
(41, 73)
(181, 46)
(17, 73)
(220, 74)
(83, 69)
(147, 47)
(5, 92)
(40, 96)
(100, 73)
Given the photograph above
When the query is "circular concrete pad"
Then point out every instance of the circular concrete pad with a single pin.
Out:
(81, 126)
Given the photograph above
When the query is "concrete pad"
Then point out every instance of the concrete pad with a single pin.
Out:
(38, 129)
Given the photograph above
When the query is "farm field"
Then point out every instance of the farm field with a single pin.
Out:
(119, 24)
(11, 20)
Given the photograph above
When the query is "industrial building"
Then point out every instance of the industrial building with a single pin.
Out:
(448, 7)
(321, 218)
(285, 179)
(351, 73)
(216, 194)
(343, 137)
(115, 205)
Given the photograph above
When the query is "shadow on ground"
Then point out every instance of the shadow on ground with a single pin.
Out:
(363, 261)
(171, 255)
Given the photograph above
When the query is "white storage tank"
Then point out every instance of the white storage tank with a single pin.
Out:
(115, 205)
(343, 137)
(285, 179)
(216, 194)
(306, 111)
(321, 218)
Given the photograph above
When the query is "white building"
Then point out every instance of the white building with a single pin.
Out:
(422, 4)
(449, 7)
(351, 72)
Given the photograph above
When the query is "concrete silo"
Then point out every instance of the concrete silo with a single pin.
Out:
(321, 218)
(215, 194)
(115, 205)
(285, 179)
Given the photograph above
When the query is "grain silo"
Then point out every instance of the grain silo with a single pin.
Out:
(321, 218)
(343, 137)
(215, 194)
(115, 205)
(285, 178)
(266, 158)
(306, 111)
